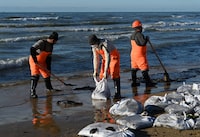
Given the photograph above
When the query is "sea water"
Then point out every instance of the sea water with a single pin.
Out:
(174, 35)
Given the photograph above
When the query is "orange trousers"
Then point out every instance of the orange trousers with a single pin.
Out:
(138, 56)
(35, 69)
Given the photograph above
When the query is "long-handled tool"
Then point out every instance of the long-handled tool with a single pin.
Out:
(166, 75)
(53, 75)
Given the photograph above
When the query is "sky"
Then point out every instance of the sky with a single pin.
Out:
(99, 5)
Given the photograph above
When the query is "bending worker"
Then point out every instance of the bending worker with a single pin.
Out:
(40, 62)
(110, 64)
(139, 55)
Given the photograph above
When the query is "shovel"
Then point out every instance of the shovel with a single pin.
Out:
(166, 75)
(53, 75)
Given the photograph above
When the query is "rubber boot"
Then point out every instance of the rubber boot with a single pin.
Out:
(117, 88)
(134, 78)
(135, 91)
(48, 84)
(147, 79)
(34, 81)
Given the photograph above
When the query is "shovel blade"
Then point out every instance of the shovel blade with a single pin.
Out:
(166, 77)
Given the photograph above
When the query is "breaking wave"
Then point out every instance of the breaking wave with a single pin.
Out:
(13, 18)
(13, 63)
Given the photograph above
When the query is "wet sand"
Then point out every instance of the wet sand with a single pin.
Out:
(21, 116)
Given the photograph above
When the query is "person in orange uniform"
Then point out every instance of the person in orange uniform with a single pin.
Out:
(40, 62)
(110, 64)
(139, 55)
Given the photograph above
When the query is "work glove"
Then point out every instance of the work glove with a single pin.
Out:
(95, 74)
(105, 75)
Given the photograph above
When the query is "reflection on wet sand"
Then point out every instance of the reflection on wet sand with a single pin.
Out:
(141, 98)
(42, 117)
(167, 86)
(147, 92)
(101, 111)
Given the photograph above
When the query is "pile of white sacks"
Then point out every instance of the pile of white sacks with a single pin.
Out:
(178, 110)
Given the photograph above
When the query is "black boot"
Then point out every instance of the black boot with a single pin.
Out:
(135, 91)
(117, 88)
(34, 81)
(147, 79)
(48, 84)
(134, 78)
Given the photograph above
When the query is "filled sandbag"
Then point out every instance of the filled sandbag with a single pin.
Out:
(191, 94)
(174, 97)
(136, 121)
(197, 97)
(155, 104)
(197, 123)
(126, 107)
(101, 129)
(178, 109)
(160, 101)
(184, 88)
(173, 121)
(197, 110)
(195, 89)
(101, 91)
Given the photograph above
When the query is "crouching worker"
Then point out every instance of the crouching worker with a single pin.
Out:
(110, 64)
(40, 62)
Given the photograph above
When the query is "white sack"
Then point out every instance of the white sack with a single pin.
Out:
(155, 104)
(136, 121)
(177, 109)
(197, 110)
(184, 88)
(173, 121)
(174, 97)
(127, 107)
(102, 90)
(101, 129)
(159, 101)
(197, 123)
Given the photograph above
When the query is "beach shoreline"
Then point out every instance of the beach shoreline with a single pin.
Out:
(21, 116)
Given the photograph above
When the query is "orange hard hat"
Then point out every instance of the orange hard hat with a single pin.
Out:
(136, 24)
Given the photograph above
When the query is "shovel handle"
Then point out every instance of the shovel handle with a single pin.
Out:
(157, 56)
(45, 69)
(166, 75)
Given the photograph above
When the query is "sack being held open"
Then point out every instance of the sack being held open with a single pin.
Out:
(102, 90)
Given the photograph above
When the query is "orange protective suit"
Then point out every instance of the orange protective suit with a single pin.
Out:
(43, 51)
(138, 56)
(114, 66)
(35, 69)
